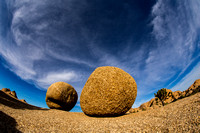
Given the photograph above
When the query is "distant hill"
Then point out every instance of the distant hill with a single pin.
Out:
(171, 97)
(180, 116)
(9, 98)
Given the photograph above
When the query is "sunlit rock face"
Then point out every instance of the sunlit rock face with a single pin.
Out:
(9, 92)
(109, 91)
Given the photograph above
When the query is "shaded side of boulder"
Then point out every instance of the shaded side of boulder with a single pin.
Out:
(109, 91)
(61, 95)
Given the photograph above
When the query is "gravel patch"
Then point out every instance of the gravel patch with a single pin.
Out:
(180, 116)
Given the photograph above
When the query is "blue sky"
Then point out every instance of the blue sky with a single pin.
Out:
(42, 42)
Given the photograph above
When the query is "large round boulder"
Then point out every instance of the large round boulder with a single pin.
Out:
(109, 91)
(61, 95)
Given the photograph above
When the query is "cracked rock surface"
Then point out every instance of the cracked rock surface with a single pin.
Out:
(109, 91)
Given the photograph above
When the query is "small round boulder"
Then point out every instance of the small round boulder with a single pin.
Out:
(61, 95)
(109, 91)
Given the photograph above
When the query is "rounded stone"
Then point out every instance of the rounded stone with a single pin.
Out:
(61, 95)
(109, 91)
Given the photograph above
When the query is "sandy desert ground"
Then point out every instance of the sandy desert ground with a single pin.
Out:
(180, 116)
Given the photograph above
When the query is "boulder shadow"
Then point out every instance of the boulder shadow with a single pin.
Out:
(106, 116)
(8, 124)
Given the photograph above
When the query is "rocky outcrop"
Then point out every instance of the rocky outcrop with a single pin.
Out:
(109, 91)
(61, 95)
(12, 94)
(22, 100)
(133, 110)
(153, 103)
(171, 97)
(156, 102)
(177, 94)
(194, 88)
(9, 92)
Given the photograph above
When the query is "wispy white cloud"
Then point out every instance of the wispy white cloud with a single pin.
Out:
(188, 80)
(48, 42)
(50, 78)
(176, 31)
(19, 65)
(34, 40)
(183, 71)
